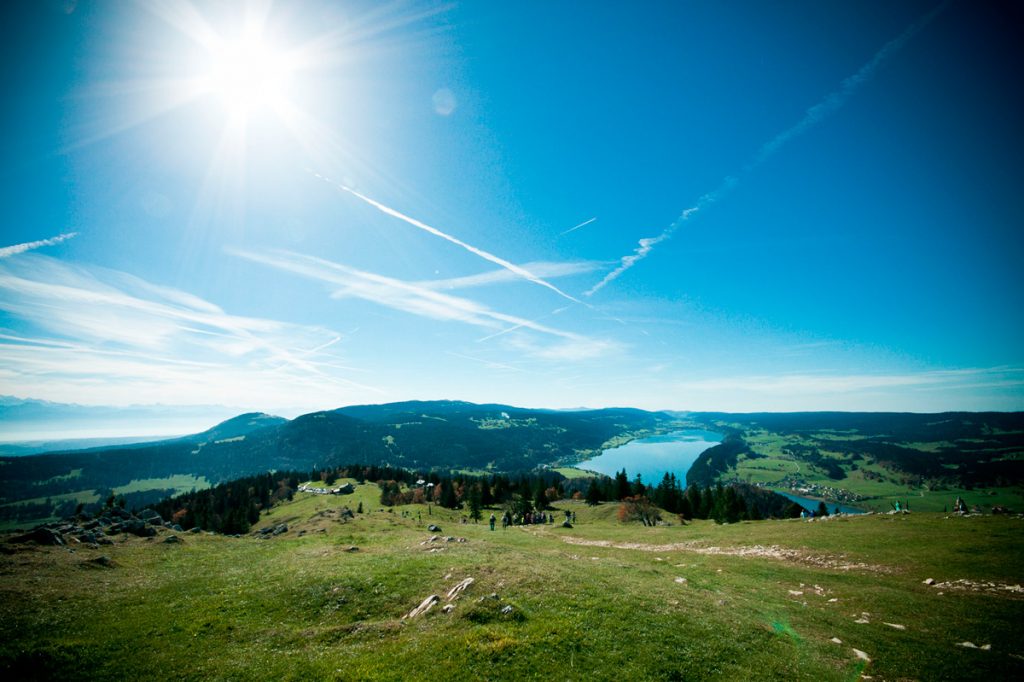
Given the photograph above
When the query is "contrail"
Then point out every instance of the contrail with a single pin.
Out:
(829, 105)
(13, 250)
(511, 267)
(573, 229)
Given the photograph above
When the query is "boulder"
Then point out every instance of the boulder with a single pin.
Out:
(434, 528)
(566, 524)
(172, 540)
(177, 528)
(281, 528)
(151, 516)
(140, 528)
(195, 529)
(41, 536)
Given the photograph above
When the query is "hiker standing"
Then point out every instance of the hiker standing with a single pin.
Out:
(492, 521)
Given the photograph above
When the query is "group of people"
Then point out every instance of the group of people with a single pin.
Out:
(529, 519)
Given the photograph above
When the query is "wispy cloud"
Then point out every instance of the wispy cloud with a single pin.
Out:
(502, 276)
(832, 382)
(511, 267)
(13, 250)
(573, 229)
(415, 299)
(92, 335)
(817, 113)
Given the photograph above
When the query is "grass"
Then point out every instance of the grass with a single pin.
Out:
(306, 608)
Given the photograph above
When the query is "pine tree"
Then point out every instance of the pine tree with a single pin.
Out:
(622, 487)
(593, 493)
(475, 502)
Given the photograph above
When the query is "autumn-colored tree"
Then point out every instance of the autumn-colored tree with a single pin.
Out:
(639, 508)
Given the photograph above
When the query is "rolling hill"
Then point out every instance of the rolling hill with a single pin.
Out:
(417, 435)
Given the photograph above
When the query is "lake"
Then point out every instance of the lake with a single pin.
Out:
(811, 504)
(654, 456)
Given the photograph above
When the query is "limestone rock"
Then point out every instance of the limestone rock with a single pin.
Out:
(424, 606)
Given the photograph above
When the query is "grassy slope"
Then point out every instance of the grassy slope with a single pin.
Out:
(303, 607)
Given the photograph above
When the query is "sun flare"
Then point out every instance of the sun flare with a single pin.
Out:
(249, 74)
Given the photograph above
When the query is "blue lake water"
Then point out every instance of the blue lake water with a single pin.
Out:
(811, 504)
(654, 456)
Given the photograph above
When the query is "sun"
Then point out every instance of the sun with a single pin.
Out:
(249, 74)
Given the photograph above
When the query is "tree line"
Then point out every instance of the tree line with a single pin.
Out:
(234, 507)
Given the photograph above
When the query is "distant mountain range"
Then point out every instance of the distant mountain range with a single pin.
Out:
(863, 453)
(27, 424)
(415, 435)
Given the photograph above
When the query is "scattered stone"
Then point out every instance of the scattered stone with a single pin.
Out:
(280, 528)
(833, 600)
(507, 609)
(434, 528)
(986, 647)
(968, 645)
(980, 586)
(836, 640)
(351, 548)
(681, 581)
(896, 626)
(459, 588)
(929, 581)
(796, 593)
(424, 606)
(861, 655)
(104, 561)
(862, 621)
(173, 540)
(195, 529)
(448, 608)
(176, 527)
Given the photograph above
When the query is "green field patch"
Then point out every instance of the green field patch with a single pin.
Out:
(573, 472)
(84, 496)
(74, 473)
(180, 483)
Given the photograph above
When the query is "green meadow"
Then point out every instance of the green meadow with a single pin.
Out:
(603, 600)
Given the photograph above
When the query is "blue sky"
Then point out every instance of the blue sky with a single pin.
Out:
(682, 205)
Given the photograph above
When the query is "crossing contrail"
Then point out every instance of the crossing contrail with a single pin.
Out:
(573, 229)
(511, 267)
(829, 105)
(14, 249)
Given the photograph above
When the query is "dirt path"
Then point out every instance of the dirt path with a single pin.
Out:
(839, 563)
